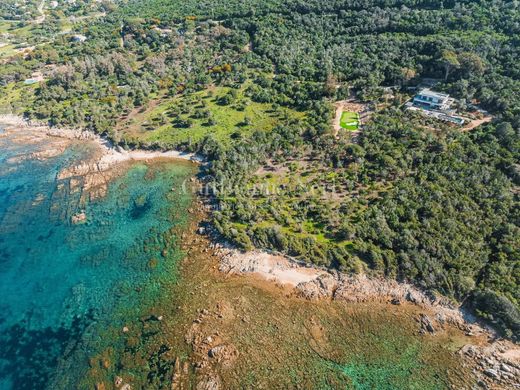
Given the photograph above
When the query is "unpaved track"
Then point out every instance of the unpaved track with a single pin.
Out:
(40, 19)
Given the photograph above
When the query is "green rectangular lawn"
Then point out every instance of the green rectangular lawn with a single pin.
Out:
(349, 121)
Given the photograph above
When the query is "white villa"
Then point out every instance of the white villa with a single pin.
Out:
(436, 105)
(428, 99)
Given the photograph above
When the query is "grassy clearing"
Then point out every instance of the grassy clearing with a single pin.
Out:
(5, 26)
(311, 200)
(222, 112)
(349, 121)
(14, 38)
(292, 184)
(7, 50)
(16, 29)
(15, 96)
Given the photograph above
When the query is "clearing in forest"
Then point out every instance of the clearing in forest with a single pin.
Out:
(348, 112)
(349, 121)
(222, 112)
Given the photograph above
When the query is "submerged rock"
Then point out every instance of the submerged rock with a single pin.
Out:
(209, 383)
(491, 373)
(225, 354)
(79, 218)
(118, 381)
(426, 324)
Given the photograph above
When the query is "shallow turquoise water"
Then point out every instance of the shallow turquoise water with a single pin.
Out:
(58, 280)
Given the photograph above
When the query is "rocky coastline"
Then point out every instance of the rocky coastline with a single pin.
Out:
(495, 362)
(110, 154)
(91, 176)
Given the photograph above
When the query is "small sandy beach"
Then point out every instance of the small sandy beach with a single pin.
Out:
(90, 176)
(109, 155)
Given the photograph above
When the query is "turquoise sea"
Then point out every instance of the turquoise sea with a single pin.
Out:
(61, 283)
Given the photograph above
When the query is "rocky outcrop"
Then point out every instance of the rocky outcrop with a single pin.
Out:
(495, 365)
(79, 218)
(209, 383)
(180, 377)
(225, 354)
(212, 352)
(426, 324)
(318, 283)
(361, 288)
(89, 178)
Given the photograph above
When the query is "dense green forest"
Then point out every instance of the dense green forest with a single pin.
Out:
(409, 198)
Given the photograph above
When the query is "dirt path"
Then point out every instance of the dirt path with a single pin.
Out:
(476, 123)
(337, 118)
(40, 19)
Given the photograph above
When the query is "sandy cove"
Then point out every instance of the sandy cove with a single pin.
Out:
(109, 156)
(91, 176)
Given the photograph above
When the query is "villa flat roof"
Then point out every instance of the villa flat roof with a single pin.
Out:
(437, 95)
